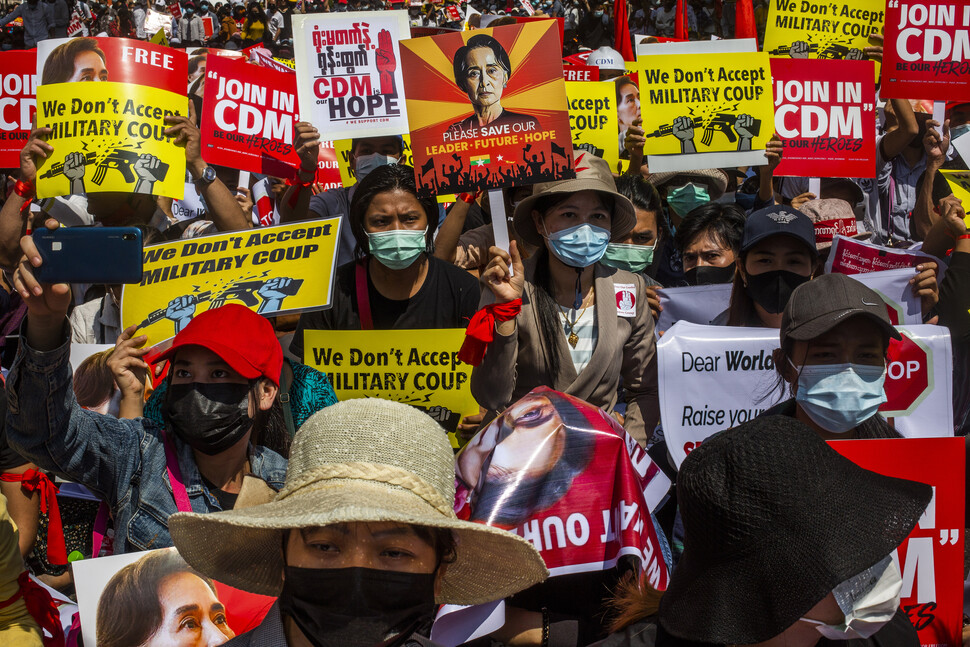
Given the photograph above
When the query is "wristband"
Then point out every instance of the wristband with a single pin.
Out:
(965, 236)
(24, 189)
(467, 198)
(481, 329)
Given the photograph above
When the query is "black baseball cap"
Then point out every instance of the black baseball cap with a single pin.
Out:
(778, 219)
(821, 304)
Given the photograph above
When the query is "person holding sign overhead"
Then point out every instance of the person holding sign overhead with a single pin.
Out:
(563, 319)
(395, 282)
(219, 414)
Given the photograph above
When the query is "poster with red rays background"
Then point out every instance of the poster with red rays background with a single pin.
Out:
(487, 108)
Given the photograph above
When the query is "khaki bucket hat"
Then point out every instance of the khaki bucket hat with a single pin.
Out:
(592, 174)
(367, 460)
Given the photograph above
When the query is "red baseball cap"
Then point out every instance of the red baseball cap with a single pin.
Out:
(243, 339)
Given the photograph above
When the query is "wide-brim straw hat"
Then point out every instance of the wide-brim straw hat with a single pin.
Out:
(774, 519)
(713, 177)
(592, 174)
(367, 460)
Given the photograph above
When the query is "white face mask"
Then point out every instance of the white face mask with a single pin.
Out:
(869, 601)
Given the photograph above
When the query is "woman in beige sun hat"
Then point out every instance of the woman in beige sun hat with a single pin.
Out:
(369, 493)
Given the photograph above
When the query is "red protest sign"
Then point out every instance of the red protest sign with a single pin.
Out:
(207, 27)
(825, 113)
(565, 476)
(849, 256)
(907, 374)
(248, 117)
(175, 9)
(927, 47)
(580, 73)
(328, 168)
(930, 561)
(18, 103)
(453, 13)
(487, 131)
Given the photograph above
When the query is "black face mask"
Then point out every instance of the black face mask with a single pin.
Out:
(709, 275)
(208, 417)
(771, 290)
(356, 607)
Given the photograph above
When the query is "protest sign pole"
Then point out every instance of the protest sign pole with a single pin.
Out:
(815, 186)
(939, 113)
(500, 222)
(243, 182)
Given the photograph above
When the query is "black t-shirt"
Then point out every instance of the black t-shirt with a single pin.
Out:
(227, 500)
(448, 299)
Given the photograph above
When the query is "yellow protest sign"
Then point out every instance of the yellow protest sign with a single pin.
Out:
(702, 104)
(348, 176)
(593, 120)
(959, 182)
(109, 137)
(416, 367)
(272, 270)
(829, 29)
(159, 38)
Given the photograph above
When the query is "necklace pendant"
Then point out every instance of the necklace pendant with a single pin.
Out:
(573, 339)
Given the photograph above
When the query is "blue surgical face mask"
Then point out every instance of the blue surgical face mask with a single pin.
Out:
(579, 246)
(397, 248)
(840, 397)
(685, 199)
(367, 163)
(956, 131)
(632, 258)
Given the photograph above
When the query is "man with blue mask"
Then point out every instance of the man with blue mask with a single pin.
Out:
(366, 154)
(834, 337)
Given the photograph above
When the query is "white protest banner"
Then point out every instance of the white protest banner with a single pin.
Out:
(716, 377)
(349, 78)
(698, 304)
(156, 20)
(701, 304)
(893, 286)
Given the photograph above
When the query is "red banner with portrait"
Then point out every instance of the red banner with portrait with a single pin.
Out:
(565, 476)
(930, 561)
(487, 108)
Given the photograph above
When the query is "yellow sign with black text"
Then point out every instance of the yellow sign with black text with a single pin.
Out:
(703, 104)
(109, 137)
(272, 271)
(593, 119)
(416, 367)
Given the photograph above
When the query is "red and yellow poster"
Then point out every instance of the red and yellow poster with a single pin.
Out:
(18, 103)
(248, 116)
(487, 108)
(927, 50)
(930, 561)
(825, 113)
(105, 101)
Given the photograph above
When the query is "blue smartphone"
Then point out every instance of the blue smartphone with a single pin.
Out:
(101, 255)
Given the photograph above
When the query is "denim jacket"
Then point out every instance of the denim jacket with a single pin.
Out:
(122, 461)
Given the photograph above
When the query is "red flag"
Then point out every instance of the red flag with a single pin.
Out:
(744, 26)
(621, 31)
(680, 21)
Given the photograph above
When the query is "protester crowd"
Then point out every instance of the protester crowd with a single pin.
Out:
(230, 447)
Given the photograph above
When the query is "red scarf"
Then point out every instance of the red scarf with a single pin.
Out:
(30, 482)
(481, 329)
(41, 607)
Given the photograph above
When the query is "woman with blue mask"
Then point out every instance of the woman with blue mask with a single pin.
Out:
(395, 282)
(570, 322)
(835, 333)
